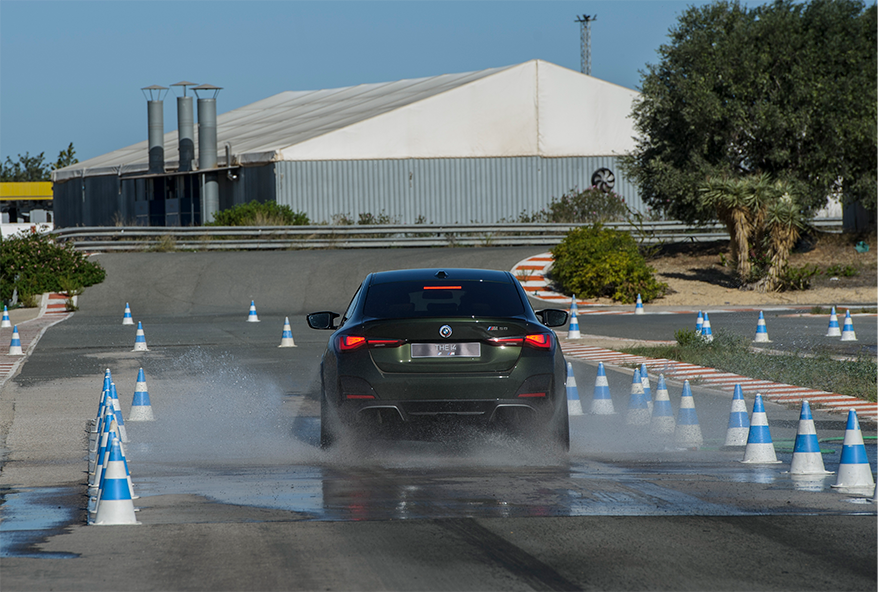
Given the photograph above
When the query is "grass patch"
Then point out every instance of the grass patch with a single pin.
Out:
(731, 353)
(820, 310)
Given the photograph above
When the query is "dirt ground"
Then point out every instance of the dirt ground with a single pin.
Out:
(696, 276)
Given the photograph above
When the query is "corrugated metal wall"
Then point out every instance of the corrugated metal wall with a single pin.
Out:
(93, 201)
(444, 191)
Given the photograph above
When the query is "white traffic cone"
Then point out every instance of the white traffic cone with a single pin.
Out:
(638, 410)
(699, 323)
(662, 423)
(5, 322)
(574, 405)
(15, 344)
(706, 333)
(760, 448)
(854, 470)
(126, 318)
(602, 402)
(834, 330)
(647, 390)
(115, 504)
(687, 434)
(573, 329)
(807, 458)
(761, 330)
(141, 409)
(847, 332)
(286, 338)
(252, 318)
(140, 339)
(573, 307)
(739, 421)
(638, 309)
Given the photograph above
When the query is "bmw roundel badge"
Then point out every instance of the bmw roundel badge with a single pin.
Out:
(445, 331)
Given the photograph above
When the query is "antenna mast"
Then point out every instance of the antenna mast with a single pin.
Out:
(585, 42)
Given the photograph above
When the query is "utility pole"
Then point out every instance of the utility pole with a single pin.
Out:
(585, 42)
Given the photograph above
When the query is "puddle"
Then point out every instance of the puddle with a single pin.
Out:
(31, 515)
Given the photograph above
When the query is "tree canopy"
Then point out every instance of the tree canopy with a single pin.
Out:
(786, 89)
(35, 168)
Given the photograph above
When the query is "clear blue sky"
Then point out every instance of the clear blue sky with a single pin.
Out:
(72, 71)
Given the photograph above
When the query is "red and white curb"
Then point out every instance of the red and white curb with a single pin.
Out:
(771, 391)
(30, 333)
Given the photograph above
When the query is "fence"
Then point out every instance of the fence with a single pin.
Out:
(199, 238)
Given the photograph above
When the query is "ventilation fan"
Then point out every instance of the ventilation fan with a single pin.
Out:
(603, 179)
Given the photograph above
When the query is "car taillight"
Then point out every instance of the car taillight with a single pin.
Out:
(352, 342)
(538, 341)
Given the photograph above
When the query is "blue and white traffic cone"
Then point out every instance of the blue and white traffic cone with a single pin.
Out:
(117, 407)
(638, 309)
(15, 344)
(847, 332)
(854, 470)
(573, 308)
(739, 421)
(140, 339)
(662, 423)
(688, 432)
(126, 318)
(252, 318)
(115, 504)
(286, 338)
(602, 402)
(5, 322)
(638, 410)
(574, 405)
(573, 329)
(761, 330)
(834, 330)
(141, 409)
(760, 448)
(699, 323)
(807, 458)
(706, 333)
(647, 390)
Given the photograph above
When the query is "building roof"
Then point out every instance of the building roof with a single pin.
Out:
(529, 109)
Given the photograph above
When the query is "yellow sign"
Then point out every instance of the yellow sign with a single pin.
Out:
(26, 191)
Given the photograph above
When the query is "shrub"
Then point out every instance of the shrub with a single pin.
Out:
(34, 263)
(586, 207)
(594, 262)
(256, 213)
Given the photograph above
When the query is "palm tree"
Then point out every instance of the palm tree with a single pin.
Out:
(783, 223)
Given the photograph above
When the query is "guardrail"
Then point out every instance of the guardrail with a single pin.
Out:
(201, 238)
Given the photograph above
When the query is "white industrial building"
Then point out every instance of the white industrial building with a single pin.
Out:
(472, 147)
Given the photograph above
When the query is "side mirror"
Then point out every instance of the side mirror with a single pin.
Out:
(552, 317)
(322, 320)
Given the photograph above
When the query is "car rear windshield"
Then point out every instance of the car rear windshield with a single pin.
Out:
(464, 298)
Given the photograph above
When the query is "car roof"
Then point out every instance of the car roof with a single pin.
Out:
(440, 274)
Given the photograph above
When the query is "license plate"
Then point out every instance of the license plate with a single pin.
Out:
(446, 350)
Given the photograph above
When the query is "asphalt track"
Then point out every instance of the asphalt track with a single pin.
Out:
(234, 493)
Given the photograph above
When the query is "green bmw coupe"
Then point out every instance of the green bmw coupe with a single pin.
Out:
(418, 348)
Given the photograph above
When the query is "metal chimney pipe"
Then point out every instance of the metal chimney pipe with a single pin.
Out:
(185, 129)
(207, 149)
(155, 119)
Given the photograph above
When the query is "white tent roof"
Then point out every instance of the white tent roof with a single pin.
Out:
(530, 109)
